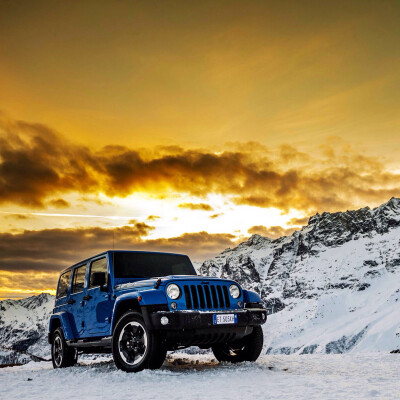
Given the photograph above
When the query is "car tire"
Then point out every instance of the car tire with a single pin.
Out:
(62, 355)
(134, 346)
(246, 349)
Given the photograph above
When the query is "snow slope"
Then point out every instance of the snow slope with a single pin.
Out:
(332, 287)
(23, 327)
(372, 376)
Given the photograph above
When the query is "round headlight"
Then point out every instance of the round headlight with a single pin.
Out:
(234, 291)
(173, 291)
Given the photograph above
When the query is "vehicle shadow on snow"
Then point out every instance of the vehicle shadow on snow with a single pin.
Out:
(182, 363)
(170, 364)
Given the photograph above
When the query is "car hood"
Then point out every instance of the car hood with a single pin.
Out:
(151, 282)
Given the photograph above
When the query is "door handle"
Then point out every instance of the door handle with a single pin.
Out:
(88, 297)
(72, 301)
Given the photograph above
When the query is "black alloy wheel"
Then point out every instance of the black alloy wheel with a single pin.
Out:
(62, 355)
(134, 346)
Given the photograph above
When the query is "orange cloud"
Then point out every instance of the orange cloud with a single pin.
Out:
(37, 164)
(18, 216)
(214, 216)
(299, 221)
(152, 217)
(198, 206)
(14, 284)
(59, 203)
(272, 232)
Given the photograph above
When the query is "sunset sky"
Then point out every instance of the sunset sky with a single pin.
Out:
(187, 126)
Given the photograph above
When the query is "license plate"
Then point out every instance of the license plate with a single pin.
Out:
(219, 319)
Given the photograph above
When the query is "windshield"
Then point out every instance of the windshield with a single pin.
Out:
(148, 265)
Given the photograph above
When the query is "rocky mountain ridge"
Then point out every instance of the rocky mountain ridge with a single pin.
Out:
(335, 256)
(23, 328)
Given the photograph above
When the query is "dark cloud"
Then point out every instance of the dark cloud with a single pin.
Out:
(37, 164)
(272, 232)
(196, 206)
(50, 250)
(59, 203)
(198, 246)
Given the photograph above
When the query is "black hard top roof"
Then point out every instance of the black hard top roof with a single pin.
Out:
(115, 251)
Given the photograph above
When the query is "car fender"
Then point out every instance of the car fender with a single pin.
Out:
(251, 297)
(63, 319)
(146, 297)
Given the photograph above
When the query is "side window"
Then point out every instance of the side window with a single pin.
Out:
(63, 284)
(98, 266)
(79, 279)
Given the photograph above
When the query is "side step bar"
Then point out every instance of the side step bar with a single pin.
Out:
(104, 342)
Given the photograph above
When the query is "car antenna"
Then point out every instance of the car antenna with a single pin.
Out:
(158, 283)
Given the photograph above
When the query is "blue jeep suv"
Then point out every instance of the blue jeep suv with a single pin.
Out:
(138, 305)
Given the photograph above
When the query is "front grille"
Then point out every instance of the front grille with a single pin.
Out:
(206, 297)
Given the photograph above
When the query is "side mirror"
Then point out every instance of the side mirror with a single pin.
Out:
(99, 279)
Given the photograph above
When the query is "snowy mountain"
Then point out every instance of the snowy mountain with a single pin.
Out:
(332, 287)
(23, 328)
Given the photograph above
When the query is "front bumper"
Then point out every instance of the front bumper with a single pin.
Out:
(188, 320)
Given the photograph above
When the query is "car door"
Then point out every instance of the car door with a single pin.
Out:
(99, 304)
(76, 300)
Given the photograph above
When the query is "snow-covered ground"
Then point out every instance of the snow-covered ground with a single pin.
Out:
(183, 376)
(340, 321)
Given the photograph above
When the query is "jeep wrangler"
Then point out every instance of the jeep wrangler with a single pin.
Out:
(139, 305)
